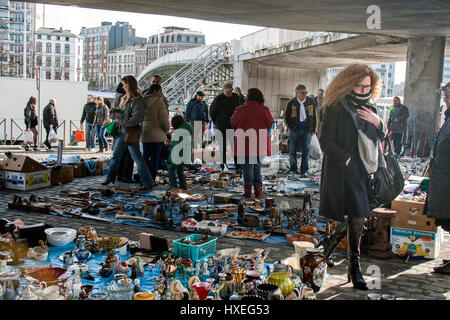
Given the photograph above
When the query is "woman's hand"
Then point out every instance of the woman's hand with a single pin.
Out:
(347, 162)
(369, 116)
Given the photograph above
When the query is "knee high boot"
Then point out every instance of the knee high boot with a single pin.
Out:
(354, 274)
(330, 242)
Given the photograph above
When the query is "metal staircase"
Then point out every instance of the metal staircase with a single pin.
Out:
(189, 77)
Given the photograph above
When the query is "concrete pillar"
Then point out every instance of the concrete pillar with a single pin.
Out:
(425, 60)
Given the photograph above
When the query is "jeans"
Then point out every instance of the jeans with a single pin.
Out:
(295, 138)
(152, 150)
(175, 171)
(251, 172)
(119, 149)
(101, 137)
(397, 138)
(90, 135)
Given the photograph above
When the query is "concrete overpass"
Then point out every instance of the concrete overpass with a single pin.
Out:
(423, 24)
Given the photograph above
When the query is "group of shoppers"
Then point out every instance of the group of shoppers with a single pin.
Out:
(95, 113)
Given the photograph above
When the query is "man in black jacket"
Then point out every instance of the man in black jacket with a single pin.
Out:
(397, 123)
(221, 111)
(438, 199)
(89, 115)
(301, 118)
(50, 120)
(197, 110)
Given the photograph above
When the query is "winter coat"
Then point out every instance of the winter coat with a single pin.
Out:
(196, 110)
(101, 115)
(30, 116)
(50, 116)
(174, 143)
(89, 111)
(156, 120)
(439, 189)
(222, 108)
(252, 115)
(401, 113)
(133, 114)
(338, 139)
(292, 122)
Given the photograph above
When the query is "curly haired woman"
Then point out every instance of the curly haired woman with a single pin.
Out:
(343, 190)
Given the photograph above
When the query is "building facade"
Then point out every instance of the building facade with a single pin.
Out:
(173, 39)
(13, 30)
(121, 62)
(58, 54)
(122, 34)
(95, 54)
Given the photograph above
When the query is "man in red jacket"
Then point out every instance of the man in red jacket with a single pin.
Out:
(252, 123)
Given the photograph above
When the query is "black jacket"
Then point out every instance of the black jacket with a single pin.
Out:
(89, 111)
(50, 116)
(196, 110)
(439, 188)
(222, 109)
(292, 122)
(338, 139)
(30, 118)
(401, 113)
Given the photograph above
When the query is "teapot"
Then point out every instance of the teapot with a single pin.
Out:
(281, 276)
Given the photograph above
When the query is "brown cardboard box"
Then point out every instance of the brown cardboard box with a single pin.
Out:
(20, 163)
(61, 175)
(98, 169)
(222, 197)
(410, 216)
(78, 170)
(218, 183)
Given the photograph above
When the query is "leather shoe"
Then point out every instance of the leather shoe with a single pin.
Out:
(105, 183)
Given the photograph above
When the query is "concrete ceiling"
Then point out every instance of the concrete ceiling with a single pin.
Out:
(398, 17)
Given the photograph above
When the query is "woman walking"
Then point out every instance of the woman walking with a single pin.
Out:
(154, 127)
(101, 118)
(31, 120)
(252, 117)
(343, 190)
(133, 113)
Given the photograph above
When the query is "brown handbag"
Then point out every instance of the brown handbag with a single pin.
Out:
(132, 135)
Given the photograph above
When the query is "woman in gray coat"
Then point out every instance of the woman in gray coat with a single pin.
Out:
(133, 113)
(101, 117)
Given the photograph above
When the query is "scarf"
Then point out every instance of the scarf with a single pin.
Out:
(302, 113)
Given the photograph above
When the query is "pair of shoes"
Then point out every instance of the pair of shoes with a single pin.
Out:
(105, 183)
(354, 274)
(258, 190)
(100, 151)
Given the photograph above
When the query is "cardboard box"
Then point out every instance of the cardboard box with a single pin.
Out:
(218, 183)
(222, 197)
(20, 163)
(28, 180)
(78, 170)
(97, 171)
(105, 166)
(410, 216)
(2, 179)
(419, 244)
(61, 175)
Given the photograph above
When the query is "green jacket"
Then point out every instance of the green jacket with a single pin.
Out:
(177, 140)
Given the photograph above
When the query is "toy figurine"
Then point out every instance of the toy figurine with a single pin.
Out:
(76, 289)
(134, 271)
(137, 287)
(140, 267)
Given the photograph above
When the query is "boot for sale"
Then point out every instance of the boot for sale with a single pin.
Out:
(330, 242)
(354, 234)
(258, 190)
(247, 190)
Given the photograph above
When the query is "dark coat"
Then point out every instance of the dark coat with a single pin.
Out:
(439, 188)
(50, 116)
(196, 110)
(400, 113)
(222, 108)
(338, 139)
(292, 122)
(30, 116)
(89, 111)
(244, 118)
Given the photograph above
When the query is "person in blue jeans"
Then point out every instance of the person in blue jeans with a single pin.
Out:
(89, 110)
(301, 118)
(133, 106)
(101, 117)
(181, 140)
(397, 123)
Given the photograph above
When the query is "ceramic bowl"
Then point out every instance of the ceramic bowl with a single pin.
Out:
(49, 275)
(37, 253)
(60, 236)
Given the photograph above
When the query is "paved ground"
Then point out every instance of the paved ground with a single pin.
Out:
(412, 280)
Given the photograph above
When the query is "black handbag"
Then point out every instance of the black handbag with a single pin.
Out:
(387, 182)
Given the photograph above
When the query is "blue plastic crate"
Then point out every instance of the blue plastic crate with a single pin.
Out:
(189, 251)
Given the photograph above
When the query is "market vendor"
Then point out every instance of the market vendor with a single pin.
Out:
(438, 199)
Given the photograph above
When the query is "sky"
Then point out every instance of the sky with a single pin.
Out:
(149, 24)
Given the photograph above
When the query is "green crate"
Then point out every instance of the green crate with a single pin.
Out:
(189, 251)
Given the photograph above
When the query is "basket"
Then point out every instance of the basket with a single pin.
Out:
(189, 251)
(112, 242)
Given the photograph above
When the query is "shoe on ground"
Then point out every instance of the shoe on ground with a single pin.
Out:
(35, 148)
(27, 148)
(105, 183)
(100, 151)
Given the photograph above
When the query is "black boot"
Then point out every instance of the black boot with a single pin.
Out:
(330, 242)
(354, 234)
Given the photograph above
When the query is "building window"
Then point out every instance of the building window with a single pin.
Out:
(39, 36)
(57, 62)
(49, 37)
(48, 75)
(66, 76)
(39, 60)
(39, 47)
(58, 38)
(66, 63)
(49, 47)
(67, 38)
(58, 48)
(57, 75)
(48, 62)
(67, 48)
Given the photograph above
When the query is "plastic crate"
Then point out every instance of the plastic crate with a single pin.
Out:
(189, 251)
